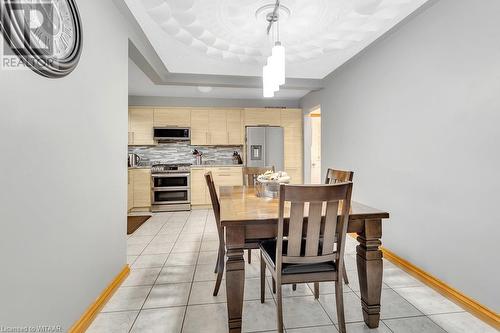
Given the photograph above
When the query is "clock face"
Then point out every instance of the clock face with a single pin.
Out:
(45, 34)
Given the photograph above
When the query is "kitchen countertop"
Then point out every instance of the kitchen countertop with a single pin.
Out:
(216, 165)
(140, 167)
(195, 166)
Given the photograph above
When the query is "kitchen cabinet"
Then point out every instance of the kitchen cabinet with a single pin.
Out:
(269, 117)
(140, 130)
(130, 191)
(139, 189)
(292, 122)
(216, 127)
(235, 127)
(223, 176)
(180, 117)
(198, 186)
(199, 127)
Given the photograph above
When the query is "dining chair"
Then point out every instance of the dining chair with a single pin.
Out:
(250, 179)
(219, 266)
(317, 256)
(334, 176)
(250, 174)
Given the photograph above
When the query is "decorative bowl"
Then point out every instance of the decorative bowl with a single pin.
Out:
(268, 184)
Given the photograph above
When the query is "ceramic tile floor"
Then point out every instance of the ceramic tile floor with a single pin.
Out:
(169, 289)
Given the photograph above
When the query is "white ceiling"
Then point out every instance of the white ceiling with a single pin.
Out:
(141, 85)
(227, 37)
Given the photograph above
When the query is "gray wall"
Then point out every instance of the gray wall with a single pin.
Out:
(416, 117)
(63, 179)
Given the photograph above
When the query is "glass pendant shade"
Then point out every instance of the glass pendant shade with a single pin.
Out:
(278, 55)
(267, 81)
(274, 72)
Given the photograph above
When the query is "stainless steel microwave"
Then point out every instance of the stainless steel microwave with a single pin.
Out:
(172, 133)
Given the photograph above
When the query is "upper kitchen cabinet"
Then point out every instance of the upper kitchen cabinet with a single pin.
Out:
(216, 127)
(269, 117)
(140, 131)
(234, 127)
(199, 127)
(291, 118)
(177, 117)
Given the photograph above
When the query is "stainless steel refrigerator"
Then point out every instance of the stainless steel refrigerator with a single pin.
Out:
(265, 147)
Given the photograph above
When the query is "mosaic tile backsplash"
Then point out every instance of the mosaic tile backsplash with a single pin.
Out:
(181, 152)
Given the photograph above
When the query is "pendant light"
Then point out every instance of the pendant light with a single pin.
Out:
(267, 81)
(273, 73)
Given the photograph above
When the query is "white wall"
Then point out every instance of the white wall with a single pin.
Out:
(417, 118)
(63, 146)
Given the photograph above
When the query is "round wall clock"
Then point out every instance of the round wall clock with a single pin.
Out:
(45, 34)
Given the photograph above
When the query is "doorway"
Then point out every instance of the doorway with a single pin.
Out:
(315, 118)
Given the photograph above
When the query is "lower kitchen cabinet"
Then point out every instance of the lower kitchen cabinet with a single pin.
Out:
(198, 186)
(139, 189)
(223, 176)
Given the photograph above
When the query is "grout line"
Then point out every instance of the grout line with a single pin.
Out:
(145, 299)
(194, 273)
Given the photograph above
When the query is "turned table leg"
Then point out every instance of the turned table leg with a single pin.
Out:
(370, 268)
(235, 276)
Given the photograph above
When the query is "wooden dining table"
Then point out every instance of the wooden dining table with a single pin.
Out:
(249, 218)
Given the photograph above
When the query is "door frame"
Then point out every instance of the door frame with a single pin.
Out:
(307, 142)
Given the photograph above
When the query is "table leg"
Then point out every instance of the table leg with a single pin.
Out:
(370, 268)
(235, 276)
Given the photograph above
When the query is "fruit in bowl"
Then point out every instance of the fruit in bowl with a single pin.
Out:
(280, 177)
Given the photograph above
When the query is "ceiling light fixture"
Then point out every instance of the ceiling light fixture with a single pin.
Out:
(204, 90)
(273, 73)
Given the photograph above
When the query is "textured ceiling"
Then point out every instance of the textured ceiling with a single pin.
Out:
(229, 36)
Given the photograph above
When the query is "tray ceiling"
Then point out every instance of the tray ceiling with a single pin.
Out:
(228, 37)
(140, 85)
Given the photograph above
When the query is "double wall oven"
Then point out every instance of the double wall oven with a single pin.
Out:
(171, 187)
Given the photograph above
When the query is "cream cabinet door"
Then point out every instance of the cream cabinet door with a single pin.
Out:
(142, 188)
(198, 186)
(227, 176)
(141, 127)
(217, 127)
(130, 191)
(199, 127)
(180, 117)
(291, 120)
(254, 117)
(234, 127)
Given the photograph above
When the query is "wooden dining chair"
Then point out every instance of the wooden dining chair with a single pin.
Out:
(219, 266)
(316, 256)
(250, 174)
(334, 176)
(250, 179)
